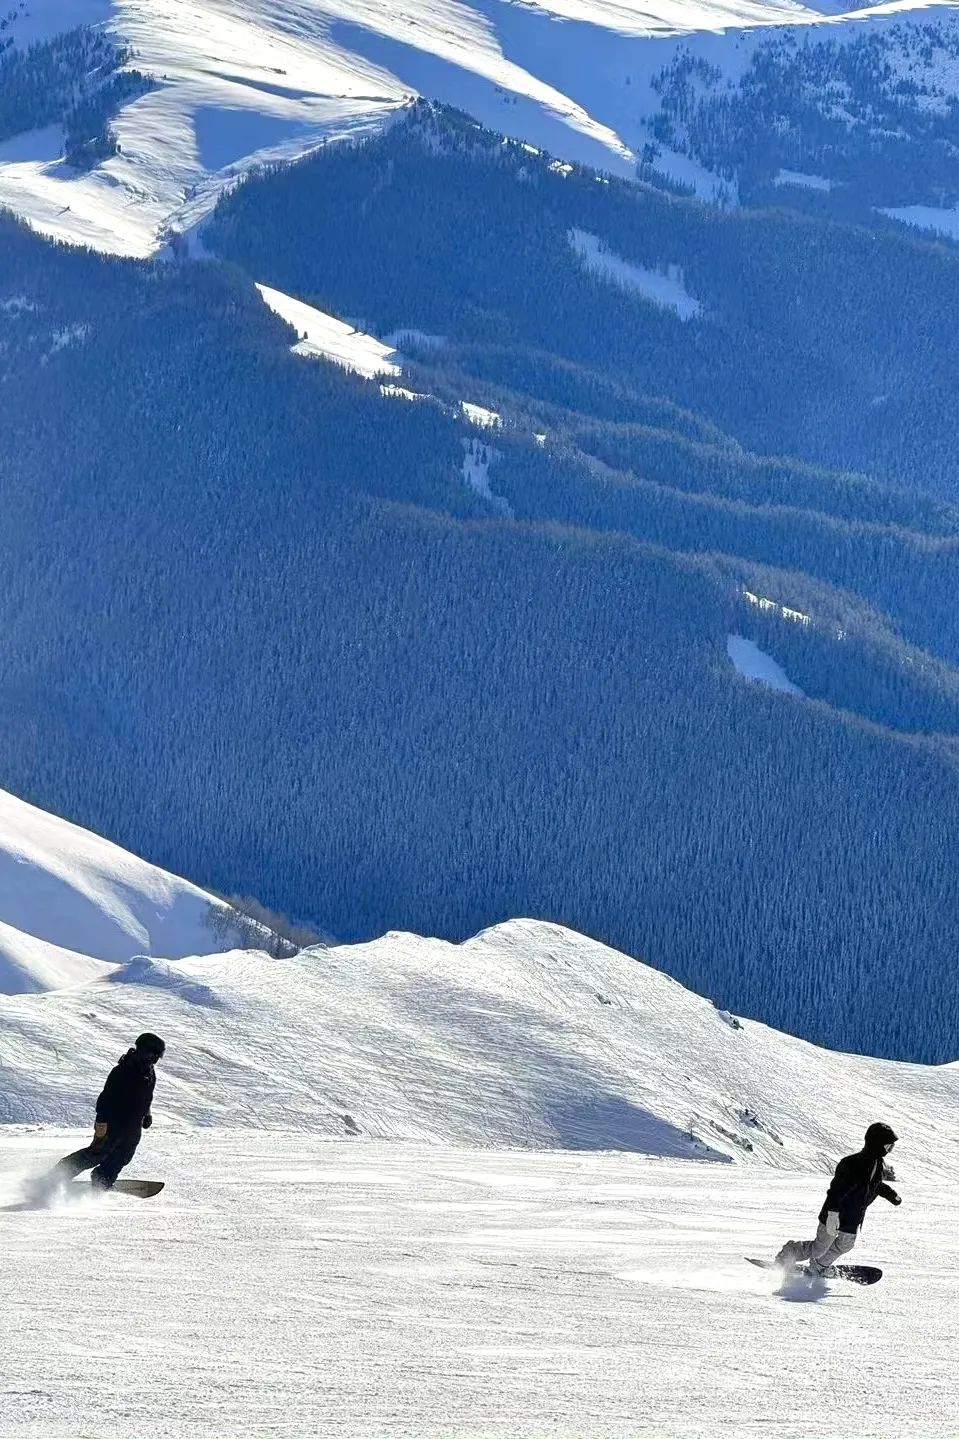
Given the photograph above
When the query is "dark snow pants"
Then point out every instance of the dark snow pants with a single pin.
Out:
(106, 1157)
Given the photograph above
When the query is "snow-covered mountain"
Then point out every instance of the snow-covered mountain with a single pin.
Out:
(527, 1036)
(238, 82)
(387, 1208)
(72, 905)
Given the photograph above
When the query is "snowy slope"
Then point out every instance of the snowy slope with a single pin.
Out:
(663, 288)
(302, 1275)
(322, 336)
(69, 899)
(243, 81)
(29, 965)
(282, 1286)
(528, 1035)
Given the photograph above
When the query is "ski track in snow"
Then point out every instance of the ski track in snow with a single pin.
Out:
(248, 81)
(281, 1286)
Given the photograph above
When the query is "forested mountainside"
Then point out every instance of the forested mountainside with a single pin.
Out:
(263, 629)
(793, 334)
(77, 80)
(854, 122)
(737, 101)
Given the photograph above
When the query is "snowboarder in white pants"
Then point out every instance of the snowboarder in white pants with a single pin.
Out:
(858, 1180)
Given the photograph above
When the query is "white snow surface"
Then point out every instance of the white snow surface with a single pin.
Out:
(785, 612)
(248, 81)
(392, 1205)
(478, 415)
(664, 288)
(755, 664)
(322, 336)
(527, 1036)
(69, 899)
(803, 181)
(929, 218)
(29, 965)
(282, 1286)
(477, 458)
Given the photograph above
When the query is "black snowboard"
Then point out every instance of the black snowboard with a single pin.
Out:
(852, 1273)
(139, 1188)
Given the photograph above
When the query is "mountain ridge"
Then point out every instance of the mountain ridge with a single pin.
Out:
(527, 1036)
(576, 79)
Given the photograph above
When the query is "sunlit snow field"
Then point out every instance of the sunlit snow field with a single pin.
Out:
(486, 1256)
(244, 82)
(283, 1286)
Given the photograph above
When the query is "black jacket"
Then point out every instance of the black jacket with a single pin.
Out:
(128, 1093)
(858, 1180)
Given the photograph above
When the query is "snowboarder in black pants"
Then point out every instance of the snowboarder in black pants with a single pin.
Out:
(124, 1110)
(858, 1180)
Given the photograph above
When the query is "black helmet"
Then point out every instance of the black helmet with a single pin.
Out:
(152, 1045)
(880, 1136)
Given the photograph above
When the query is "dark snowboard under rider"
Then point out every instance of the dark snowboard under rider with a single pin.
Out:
(124, 1110)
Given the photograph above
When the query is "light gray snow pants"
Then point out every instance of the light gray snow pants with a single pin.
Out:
(821, 1252)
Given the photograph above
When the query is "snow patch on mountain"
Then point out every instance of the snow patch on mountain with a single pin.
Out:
(477, 458)
(479, 415)
(323, 337)
(804, 182)
(691, 175)
(16, 305)
(929, 218)
(68, 336)
(785, 612)
(663, 287)
(399, 392)
(242, 82)
(755, 664)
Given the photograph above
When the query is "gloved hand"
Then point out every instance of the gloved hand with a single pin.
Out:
(100, 1129)
(147, 1121)
(896, 1199)
(832, 1223)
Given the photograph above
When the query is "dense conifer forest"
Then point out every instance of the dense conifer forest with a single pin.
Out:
(259, 627)
(831, 342)
(77, 80)
(873, 118)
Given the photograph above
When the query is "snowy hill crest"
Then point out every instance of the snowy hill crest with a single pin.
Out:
(242, 83)
(528, 1036)
(72, 904)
